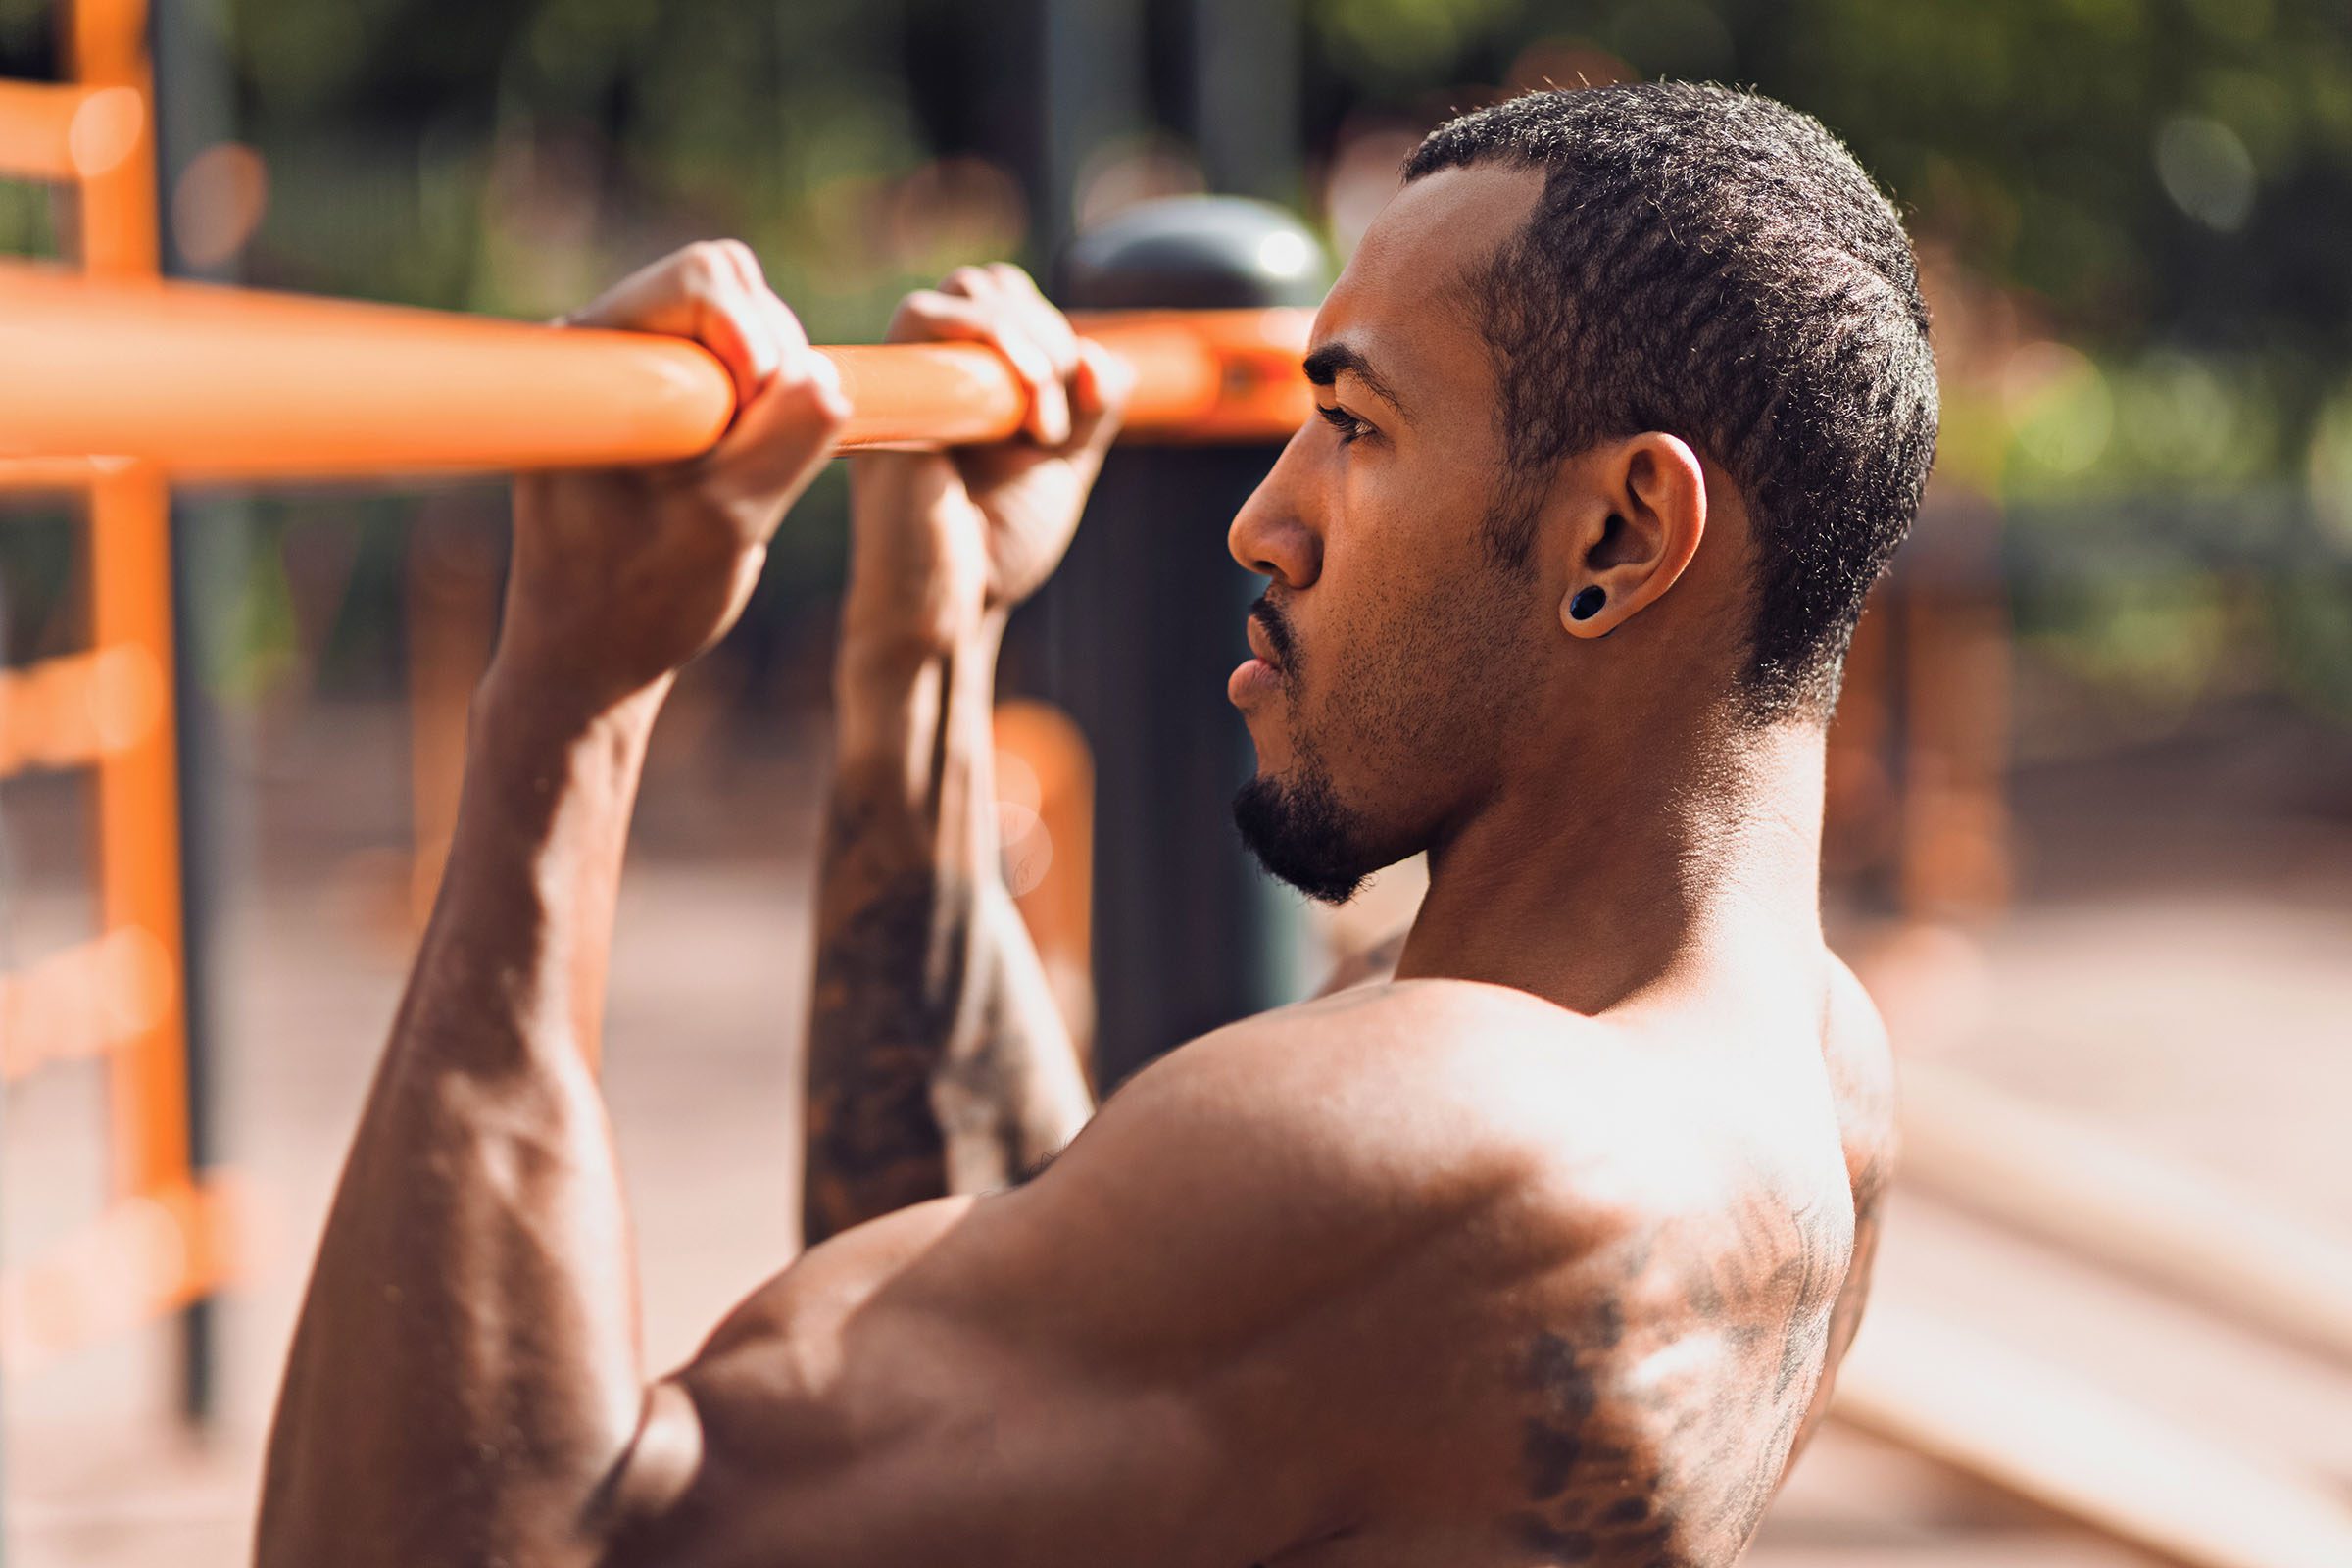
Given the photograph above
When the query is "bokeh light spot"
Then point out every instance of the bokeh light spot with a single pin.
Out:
(218, 202)
(2206, 170)
(106, 130)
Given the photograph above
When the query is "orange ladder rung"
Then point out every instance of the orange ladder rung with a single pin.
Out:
(143, 1256)
(84, 1000)
(38, 475)
(79, 708)
(59, 132)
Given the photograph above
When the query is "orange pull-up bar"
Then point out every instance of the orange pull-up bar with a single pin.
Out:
(212, 383)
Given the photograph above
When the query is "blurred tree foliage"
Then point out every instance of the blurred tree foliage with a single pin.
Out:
(2169, 182)
(2157, 193)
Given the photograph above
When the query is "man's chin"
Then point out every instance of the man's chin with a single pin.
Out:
(1302, 833)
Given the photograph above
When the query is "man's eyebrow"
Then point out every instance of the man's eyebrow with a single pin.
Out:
(1324, 365)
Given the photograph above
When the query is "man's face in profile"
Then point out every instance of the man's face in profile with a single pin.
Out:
(1398, 658)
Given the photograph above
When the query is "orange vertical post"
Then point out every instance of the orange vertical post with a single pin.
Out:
(138, 826)
(130, 589)
(165, 1241)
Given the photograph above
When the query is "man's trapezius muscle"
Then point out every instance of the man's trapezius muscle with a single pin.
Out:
(1540, 1250)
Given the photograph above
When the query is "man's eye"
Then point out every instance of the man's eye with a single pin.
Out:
(1350, 427)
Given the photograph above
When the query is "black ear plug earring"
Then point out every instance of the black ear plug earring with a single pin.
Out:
(1587, 604)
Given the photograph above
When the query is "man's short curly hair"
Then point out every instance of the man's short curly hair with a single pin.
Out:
(1711, 264)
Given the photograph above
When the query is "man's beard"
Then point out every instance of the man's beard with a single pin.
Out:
(1301, 832)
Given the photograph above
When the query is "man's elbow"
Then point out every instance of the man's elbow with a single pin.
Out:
(639, 1495)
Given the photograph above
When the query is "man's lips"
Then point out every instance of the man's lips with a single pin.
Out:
(1260, 643)
(1261, 676)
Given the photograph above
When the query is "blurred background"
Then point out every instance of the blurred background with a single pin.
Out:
(2092, 823)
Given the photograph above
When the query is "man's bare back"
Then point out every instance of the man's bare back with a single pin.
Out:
(1631, 1389)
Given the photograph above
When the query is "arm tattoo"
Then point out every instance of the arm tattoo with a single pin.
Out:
(888, 975)
(937, 1059)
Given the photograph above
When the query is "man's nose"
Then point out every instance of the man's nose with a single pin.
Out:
(1272, 534)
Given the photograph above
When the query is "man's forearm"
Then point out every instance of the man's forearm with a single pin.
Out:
(466, 1367)
(937, 1059)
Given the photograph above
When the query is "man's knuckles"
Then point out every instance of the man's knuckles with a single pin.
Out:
(808, 387)
(703, 270)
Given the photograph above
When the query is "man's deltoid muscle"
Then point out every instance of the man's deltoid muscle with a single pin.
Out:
(1536, 1240)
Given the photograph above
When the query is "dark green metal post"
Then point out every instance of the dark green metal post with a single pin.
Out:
(208, 543)
(1143, 625)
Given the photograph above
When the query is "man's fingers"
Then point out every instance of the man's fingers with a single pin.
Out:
(745, 263)
(1098, 403)
(971, 283)
(934, 315)
(1044, 319)
(773, 318)
(1101, 387)
(783, 435)
(698, 293)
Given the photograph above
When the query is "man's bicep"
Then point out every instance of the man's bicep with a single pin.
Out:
(849, 1415)
(1039, 1375)
(957, 1453)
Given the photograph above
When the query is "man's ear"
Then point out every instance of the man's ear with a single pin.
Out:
(1647, 500)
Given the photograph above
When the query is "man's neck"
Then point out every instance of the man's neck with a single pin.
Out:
(1688, 865)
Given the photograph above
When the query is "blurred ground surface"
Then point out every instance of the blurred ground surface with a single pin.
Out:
(2178, 970)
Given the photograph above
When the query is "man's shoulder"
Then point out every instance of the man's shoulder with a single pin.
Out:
(1859, 1060)
(1388, 1030)
(1405, 1097)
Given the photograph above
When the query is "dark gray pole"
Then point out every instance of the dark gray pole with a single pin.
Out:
(1144, 626)
(208, 543)
(1091, 59)
(1244, 96)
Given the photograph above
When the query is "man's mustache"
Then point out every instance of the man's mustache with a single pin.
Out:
(1269, 618)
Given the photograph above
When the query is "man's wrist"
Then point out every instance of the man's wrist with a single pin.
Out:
(527, 717)
(886, 646)
(892, 692)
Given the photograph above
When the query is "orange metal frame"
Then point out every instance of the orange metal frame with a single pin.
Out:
(160, 1243)
(212, 383)
(119, 383)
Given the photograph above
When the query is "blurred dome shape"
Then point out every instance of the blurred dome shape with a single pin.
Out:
(2206, 170)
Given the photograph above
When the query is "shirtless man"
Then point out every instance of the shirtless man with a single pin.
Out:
(1538, 1252)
